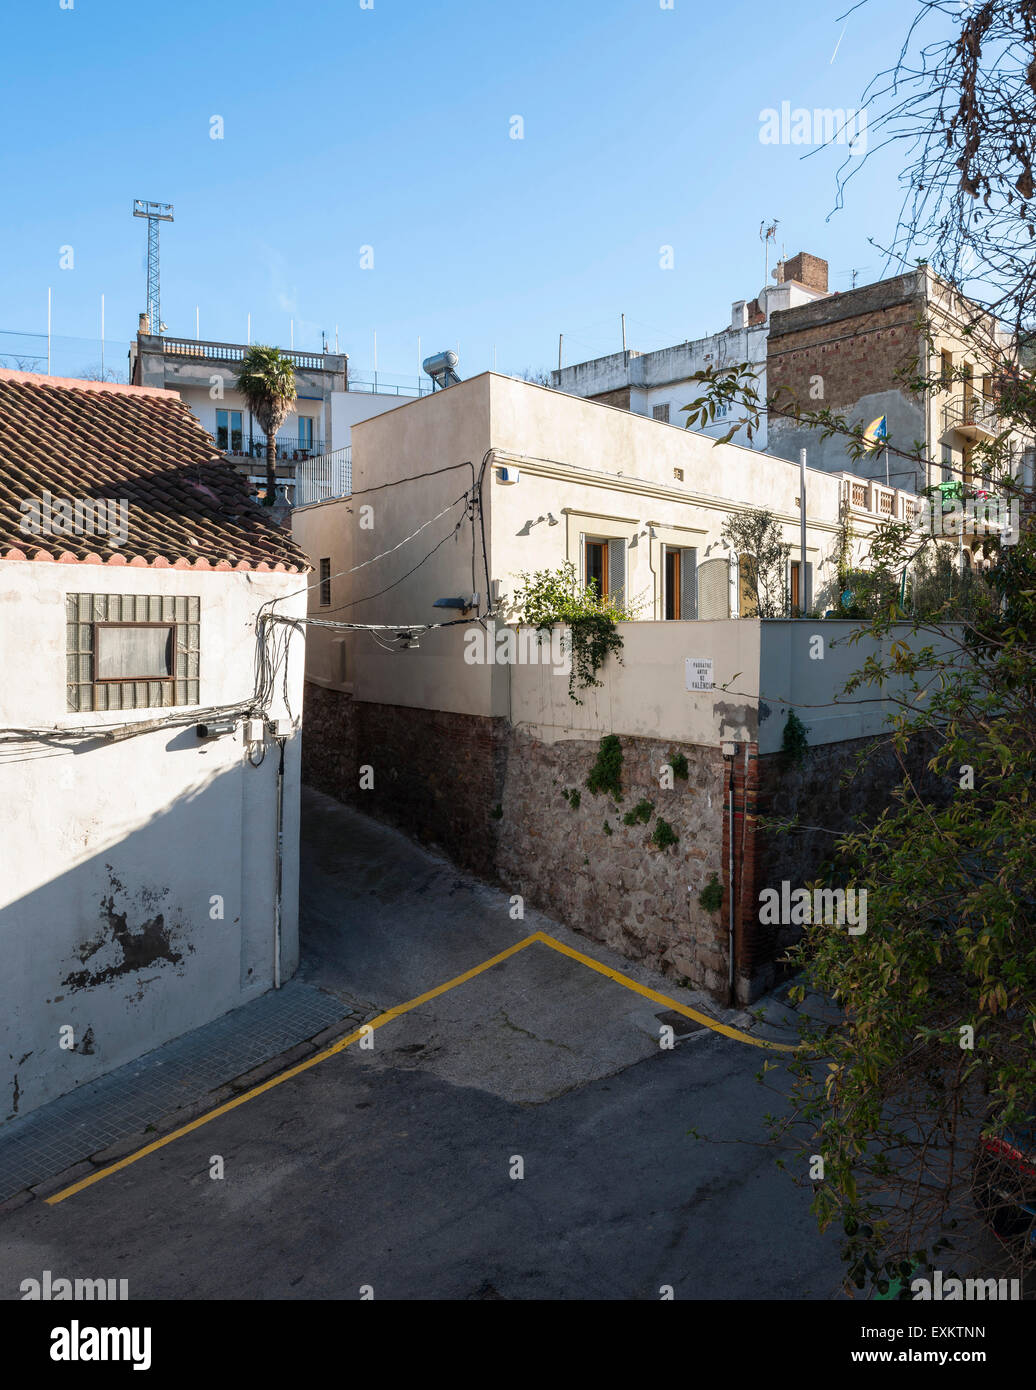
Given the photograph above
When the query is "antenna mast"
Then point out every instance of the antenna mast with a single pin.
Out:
(155, 213)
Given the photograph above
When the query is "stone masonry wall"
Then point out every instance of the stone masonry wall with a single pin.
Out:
(493, 798)
(614, 885)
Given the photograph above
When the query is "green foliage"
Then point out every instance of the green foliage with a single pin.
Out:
(726, 388)
(497, 812)
(711, 896)
(266, 379)
(678, 762)
(950, 941)
(606, 773)
(755, 535)
(555, 597)
(607, 828)
(641, 812)
(794, 743)
(663, 835)
(573, 796)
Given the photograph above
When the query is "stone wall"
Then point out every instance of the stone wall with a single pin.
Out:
(517, 812)
(835, 787)
(613, 884)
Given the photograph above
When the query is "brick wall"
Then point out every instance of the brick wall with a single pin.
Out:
(436, 775)
(619, 398)
(855, 357)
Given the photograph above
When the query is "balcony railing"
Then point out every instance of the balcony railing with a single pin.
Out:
(234, 352)
(320, 479)
(290, 448)
(970, 413)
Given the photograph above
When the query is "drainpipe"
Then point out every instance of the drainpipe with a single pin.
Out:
(729, 750)
(278, 864)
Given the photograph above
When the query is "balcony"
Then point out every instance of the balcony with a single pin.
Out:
(872, 499)
(290, 448)
(234, 352)
(974, 417)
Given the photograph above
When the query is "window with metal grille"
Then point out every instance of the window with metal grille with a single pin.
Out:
(325, 583)
(661, 412)
(132, 651)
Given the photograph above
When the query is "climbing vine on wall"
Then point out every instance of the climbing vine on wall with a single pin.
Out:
(551, 598)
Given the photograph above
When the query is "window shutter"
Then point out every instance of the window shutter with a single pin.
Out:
(688, 583)
(617, 570)
(809, 585)
(582, 559)
(714, 589)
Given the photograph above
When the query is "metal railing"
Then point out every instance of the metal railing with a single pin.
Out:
(289, 447)
(320, 479)
(373, 386)
(970, 410)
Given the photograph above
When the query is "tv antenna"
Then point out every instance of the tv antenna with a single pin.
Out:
(767, 233)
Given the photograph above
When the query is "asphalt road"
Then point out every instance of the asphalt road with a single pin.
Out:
(393, 1167)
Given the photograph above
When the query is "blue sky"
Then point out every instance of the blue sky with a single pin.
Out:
(390, 127)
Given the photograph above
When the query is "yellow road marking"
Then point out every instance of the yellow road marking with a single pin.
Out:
(653, 994)
(397, 1012)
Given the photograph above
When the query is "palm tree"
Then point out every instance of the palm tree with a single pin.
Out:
(267, 382)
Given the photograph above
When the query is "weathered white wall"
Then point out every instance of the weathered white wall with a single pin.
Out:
(110, 853)
(767, 667)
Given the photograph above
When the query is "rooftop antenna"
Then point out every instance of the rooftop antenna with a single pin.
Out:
(155, 213)
(767, 233)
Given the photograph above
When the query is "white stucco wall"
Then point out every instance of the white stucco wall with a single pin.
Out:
(112, 852)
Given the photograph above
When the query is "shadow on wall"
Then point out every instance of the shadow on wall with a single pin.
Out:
(156, 932)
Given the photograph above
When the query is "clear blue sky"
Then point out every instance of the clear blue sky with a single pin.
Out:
(389, 127)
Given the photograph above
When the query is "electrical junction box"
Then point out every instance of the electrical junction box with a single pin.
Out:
(254, 731)
(282, 728)
(509, 475)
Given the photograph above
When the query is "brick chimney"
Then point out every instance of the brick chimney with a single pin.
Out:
(804, 269)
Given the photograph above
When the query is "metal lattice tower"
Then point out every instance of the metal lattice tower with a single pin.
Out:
(155, 213)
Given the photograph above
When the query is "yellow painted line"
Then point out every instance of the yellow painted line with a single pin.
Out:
(654, 995)
(397, 1012)
(337, 1047)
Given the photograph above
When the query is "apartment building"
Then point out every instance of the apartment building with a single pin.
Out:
(659, 385)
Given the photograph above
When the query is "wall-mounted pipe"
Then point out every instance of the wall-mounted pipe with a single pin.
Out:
(278, 865)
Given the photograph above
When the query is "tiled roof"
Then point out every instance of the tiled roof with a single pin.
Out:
(100, 442)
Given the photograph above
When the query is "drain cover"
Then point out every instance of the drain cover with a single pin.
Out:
(681, 1025)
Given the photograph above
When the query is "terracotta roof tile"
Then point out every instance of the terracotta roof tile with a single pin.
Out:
(101, 442)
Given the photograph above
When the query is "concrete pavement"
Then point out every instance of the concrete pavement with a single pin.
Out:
(396, 1165)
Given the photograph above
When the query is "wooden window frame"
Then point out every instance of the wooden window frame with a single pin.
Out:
(672, 591)
(602, 541)
(324, 583)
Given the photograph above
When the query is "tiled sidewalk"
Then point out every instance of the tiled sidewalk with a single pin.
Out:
(181, 1073)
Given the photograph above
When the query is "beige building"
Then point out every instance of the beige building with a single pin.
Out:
(467, 735)
(633, 503)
